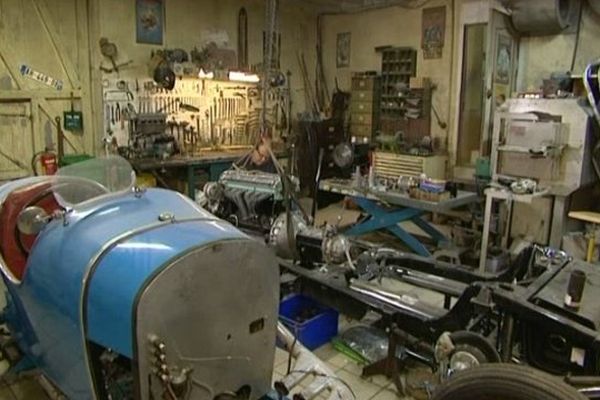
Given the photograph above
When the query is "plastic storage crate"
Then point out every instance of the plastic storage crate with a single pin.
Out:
(312, 323)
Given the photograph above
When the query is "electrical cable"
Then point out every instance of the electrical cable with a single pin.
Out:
(349, 258)
(290, 371)
(319, 374)
(291, 352)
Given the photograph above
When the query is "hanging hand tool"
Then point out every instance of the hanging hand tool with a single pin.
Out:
(107, 116)
(211, 122)
(179, 138)
(192, 140)
(198, 127)
(122, 117)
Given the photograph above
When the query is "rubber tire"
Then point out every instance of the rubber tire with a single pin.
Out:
(505, 382)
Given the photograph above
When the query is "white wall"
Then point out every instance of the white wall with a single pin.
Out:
(188, 23)
(396, 26)
(539, 56)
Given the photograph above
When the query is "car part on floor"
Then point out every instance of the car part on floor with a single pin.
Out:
(505, 381)
(325, 383)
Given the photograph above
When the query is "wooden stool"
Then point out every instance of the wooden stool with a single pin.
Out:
(591, 218)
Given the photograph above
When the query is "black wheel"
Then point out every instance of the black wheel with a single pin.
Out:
(505, 382)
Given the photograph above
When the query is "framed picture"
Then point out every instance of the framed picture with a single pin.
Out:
(343, 49)
(149, 21)
(503, 59)
(434, 32)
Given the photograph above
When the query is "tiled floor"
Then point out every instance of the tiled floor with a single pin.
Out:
(376, 388)
(25, 389)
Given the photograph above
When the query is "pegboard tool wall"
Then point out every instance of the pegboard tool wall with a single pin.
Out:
(219, 113)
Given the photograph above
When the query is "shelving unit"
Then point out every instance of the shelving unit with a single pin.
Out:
(398, 65)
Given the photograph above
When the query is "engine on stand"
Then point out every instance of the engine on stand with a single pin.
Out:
(248, 199)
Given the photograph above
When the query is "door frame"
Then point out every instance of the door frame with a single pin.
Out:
(472, 12)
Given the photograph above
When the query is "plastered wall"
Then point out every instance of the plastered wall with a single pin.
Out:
(190, 23)
(398, 26)
(395, 26)
(540, 56)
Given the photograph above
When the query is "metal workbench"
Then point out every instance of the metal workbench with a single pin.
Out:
(212, 162)
(387, 210)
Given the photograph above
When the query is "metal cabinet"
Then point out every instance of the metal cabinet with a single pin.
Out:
(364, 107)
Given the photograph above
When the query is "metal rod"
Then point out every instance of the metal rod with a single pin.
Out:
(317, 180)
(392, 299)
(270, 32)
(508, 324)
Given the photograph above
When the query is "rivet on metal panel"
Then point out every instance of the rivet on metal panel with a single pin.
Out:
(166, 216)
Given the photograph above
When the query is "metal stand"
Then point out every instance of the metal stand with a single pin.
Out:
(380, 218)
(390, 366)
(507, 196)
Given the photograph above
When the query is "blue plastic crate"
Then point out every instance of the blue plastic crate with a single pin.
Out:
(318, 327)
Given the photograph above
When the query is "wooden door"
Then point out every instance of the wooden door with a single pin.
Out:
(44, 62)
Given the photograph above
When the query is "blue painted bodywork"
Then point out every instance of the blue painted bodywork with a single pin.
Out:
(118, 238)
(131, 263)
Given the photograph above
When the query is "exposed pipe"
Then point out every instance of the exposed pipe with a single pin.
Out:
(577, 37)
(367, 5)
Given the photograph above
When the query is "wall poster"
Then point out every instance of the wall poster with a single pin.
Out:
(434, 32)
(149, 21)
(343, 49)
(503, 59)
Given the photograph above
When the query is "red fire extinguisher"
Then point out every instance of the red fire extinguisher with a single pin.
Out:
(47, 160)
(49, 163)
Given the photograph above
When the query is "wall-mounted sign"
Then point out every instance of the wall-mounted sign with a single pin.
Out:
(149, 21)
(30, 73)
(434, 32)
(503, 59)
(343, 48)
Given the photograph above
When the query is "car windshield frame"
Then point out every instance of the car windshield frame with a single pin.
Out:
(77, 185)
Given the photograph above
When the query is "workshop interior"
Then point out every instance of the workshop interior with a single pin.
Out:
(299, 199)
